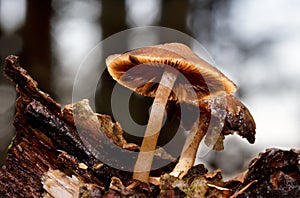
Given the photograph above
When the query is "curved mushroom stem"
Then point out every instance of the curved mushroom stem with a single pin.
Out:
(145, 157)
(189, 152)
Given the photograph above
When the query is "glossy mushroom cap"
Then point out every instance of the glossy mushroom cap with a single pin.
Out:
(194, 72)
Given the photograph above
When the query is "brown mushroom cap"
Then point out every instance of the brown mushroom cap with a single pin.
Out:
(205, 79)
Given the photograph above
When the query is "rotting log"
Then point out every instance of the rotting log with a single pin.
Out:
(47, 151)
(276, 174)
(47, 139)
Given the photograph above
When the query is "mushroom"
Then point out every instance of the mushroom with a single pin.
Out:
(161, 71)
(238, 119)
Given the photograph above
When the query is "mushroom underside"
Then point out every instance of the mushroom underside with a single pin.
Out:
(174, 72)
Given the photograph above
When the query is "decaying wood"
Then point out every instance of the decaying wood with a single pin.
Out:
(47, 138)
(277, 173)
(58, 184)
(48, 157)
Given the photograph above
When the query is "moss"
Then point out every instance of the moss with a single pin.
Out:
(11, 143)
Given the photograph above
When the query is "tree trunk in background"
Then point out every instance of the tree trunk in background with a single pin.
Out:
(37, 42)
(205, 21)
(202, 20)
(113, 17)
(171, 17)
(113, 20)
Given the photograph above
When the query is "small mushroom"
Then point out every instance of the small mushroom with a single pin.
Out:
(160, 71)
(238, 119)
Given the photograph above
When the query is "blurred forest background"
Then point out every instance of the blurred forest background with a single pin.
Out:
(256, 43)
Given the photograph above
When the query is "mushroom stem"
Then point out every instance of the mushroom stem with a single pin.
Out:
(189, 152)
(145, 157)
